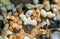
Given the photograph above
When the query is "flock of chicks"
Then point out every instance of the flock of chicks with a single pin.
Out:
(29, 21)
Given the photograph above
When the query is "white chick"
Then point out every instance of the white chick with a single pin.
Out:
(50, 15)
(29, 13)
(43, 13)
(35, 1)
